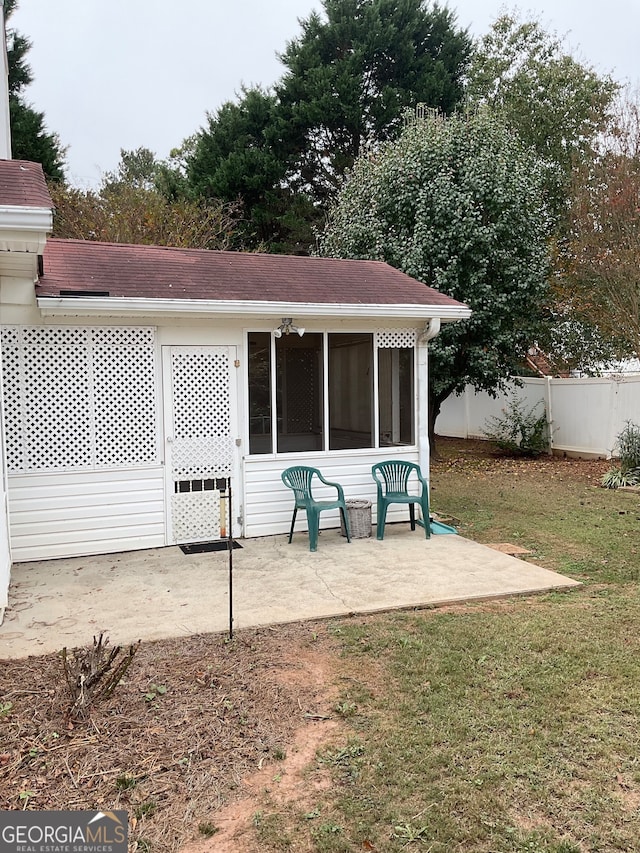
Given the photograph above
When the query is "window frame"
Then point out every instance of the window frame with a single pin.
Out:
(376, 448)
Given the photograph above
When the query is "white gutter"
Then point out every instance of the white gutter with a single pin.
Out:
(122, 306)
(18, 218)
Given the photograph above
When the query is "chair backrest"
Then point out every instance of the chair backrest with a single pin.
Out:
(394, 474)
(299, 479)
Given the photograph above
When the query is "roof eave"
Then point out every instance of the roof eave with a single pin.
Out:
(121, 306)
(23, 228)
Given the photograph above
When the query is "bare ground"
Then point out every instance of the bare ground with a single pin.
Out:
(187, 743)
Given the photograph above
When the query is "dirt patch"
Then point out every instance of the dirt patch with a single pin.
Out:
(294, 781)
(187, 744)
(508, 548)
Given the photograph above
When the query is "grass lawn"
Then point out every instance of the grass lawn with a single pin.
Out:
(504, 726)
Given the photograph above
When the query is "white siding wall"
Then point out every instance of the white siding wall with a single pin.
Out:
(269, 503)
(66, 515)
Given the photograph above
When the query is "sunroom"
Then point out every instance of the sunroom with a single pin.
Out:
(140, 382)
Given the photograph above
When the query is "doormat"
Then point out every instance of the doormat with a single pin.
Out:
(203, 547)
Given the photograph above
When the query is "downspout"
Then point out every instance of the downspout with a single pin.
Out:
(430, 331)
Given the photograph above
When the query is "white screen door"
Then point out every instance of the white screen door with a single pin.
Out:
(200, 432)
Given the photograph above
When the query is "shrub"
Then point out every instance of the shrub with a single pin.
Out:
(627, 450)
(519, 432)
(628, 447)
(615, 478)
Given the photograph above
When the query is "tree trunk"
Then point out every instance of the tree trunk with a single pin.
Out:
(435, 403)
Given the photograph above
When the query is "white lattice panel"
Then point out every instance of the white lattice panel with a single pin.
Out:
(126, 336)
(202, 458)
(202, 442)
(56, 404)
(79, 397)
(11, 384)
(124, 396)
(395, 338)
(195, 516)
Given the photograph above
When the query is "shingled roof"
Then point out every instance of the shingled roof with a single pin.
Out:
(22, 184)
(153, 272)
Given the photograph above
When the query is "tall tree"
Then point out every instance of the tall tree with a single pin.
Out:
(240, 157)
(599, 259)
(350, 76)
(557, 104)
(30, 139)
(457, 203)
(347, 80)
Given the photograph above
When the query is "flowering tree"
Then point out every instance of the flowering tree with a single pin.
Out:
(458, 203)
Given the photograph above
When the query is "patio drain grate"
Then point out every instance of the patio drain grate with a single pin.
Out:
(203, 547)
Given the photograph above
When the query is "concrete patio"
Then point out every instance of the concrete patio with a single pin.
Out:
(164, 593)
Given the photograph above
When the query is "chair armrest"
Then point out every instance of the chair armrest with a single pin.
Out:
(334, 485)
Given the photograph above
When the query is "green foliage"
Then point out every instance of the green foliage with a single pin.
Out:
(346, 709)
(137, 168)
(563, 108)
(459, 204)
(30, 139)
(239, 156)
(347, 80)
(350, 76)
(557, 104)
(627, 450)
(615, 478)
(519, 432)
(154, 691)
(628, 446)
(125, 782)
(146, 809)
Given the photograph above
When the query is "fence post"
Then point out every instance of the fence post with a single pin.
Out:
(614, 426)
(548, 407)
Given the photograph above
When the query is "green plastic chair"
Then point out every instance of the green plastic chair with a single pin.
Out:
(392, 478)
(300, 479)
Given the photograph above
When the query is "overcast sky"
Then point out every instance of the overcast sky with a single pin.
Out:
(112, 74)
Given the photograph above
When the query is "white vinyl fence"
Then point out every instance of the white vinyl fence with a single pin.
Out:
(585, 415)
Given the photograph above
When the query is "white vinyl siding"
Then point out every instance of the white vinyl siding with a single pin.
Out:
(269, 503)
(74, 514)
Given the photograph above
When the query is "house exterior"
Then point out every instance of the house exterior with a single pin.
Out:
(25, 221)
(139, 381)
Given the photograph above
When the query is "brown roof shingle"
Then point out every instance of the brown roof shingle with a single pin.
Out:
(164, 273)
(22, 184)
